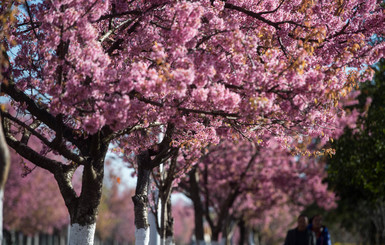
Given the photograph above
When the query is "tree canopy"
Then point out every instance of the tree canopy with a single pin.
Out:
(88, 73)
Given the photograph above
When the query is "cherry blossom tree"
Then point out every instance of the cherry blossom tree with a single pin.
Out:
(241, 182)
(32, 202)
(270, 227)
(7, 16)
(160, 206)
(183, 214)
(165, 180)
(34, 205)
(85, 74)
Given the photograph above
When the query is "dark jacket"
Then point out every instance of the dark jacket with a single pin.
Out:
(291, 237)
(324, 238)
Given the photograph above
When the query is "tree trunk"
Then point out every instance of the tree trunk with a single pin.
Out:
(251, 236)
(170, 241)
(228, 230)
(1, 215)
(83, 209)
(242, 232)
(167, 222)
(28, 240)
(36, 239)
(8, 238)
(170, 224)
(4, 169)
(92, 149)
(163, 218)
(215, 236)
(198, 211)
(258, 238)
(82, 234)
(154, 235)
(142, 236)
(142, 232)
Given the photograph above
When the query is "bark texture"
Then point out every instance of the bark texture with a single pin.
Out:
(141, 192)
(83, 209)
(170, 222)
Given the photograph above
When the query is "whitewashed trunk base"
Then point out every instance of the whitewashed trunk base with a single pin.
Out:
(251, 238)
(142, 236)
(29, 240)
(170, 241)
(36, 239)
(82, 235)
(1, 213)
(154, 236)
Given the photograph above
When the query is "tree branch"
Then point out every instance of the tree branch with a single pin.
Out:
(165, 149)
(252, 14)
(54, 145)
(117, 43)
(235, 192)
(105, 36)
(31, 19)
(258, 16)
(140, 97)
(212, 113)
(129, 130)
(31, 155)
(27, 133)
(64, 179)
(44, 116)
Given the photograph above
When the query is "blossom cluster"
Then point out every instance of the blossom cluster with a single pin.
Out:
(267, 68)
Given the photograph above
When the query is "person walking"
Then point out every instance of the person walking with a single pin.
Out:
(300, 235)
(321, 232)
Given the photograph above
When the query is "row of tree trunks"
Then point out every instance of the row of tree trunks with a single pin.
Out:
(58, 238)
